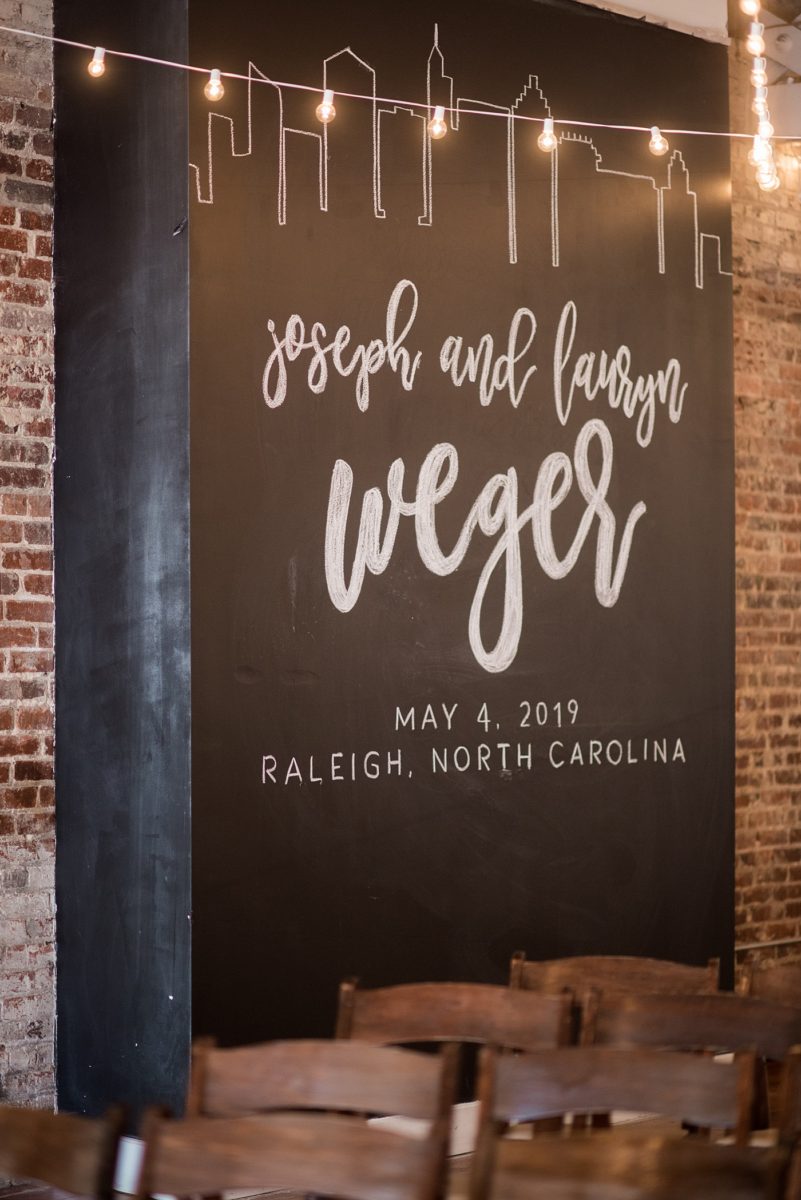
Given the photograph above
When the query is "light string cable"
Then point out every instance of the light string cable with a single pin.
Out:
(312, 90)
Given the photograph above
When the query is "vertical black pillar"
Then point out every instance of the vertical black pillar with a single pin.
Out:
(122, 558)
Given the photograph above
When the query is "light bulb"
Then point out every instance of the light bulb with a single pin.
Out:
(214, 89)
(97, 66)
(765, 130)
(438, 126)
(750, 7)
(759, 75)
(547, 139)
(325, 110)
(760, 107)
(760, 152)
(755, 43)
(658, 144)
(769, 182)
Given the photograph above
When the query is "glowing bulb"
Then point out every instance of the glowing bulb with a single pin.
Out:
(769, 183)
(760, 107)
(759, 75)
(658, 144)
(755, 43)
(760, 152)
(214, 89)
(325, 110)
(97, 66)
(438, 126)
(765, 130)
(547, 139)
(750, 7)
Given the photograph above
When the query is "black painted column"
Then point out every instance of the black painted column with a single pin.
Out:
(122, 559)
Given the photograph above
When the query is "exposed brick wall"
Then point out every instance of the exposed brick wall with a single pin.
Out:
(27, 840)
(767, 334)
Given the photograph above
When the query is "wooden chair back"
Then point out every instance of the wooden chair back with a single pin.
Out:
(722, 1022)
(621, 1169)
(335, 1076)
(484, 1014)
(73, 1154)
(318, 1153)
(586, 1079)
(613, 975)
(779, 982)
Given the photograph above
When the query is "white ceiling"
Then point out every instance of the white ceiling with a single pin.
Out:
(704, 18)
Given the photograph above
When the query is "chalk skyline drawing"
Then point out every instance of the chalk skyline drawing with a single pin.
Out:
(441, 89)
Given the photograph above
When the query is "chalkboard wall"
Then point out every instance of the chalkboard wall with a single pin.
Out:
(461, 462)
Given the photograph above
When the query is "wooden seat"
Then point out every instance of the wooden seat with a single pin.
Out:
(585, 1079)
(453, 1012)
(319, 1153)
(618, 1169)
(780, 982)
(322, 1075)
(74, 1154)
(720, 1022)
(613, 975)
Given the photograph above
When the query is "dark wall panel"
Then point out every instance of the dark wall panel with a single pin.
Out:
(122, 601)
(586, 804)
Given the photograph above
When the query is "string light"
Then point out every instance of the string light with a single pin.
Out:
(759, 75)
(658, 144)
(750, 7)
(759, 104)
(97, 66)
(547, 140)
(214, 89)
(251, 80)
(765, 129)
(755, 43)
(325, 110)
(438, 126)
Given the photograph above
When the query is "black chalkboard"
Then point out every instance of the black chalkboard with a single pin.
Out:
(515, 730)
(122, 561)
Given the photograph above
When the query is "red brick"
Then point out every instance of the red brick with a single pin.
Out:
(33, 769)
(35, 718)
(12, 747)
(39, 584)
(28, 560)
(33, 118)
(31, 219)
(14, 239)
(39, 168)
(29, 610)
(35, 268)
(27, 662)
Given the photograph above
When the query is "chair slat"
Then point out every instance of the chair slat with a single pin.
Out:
(325, 1154)
(720, 1022)
(72, 1153)
(613, 974)
(642, 1169)
(462, 1012)
(344, 1076)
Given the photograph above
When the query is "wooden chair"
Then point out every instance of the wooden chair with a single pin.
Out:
(721, 1022)
(620, 1169)
(780, 982)
(584, 1079)
(613, 975)
(346, 1077)
(320, 1153)
(73, 1154)
(482, 1014)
